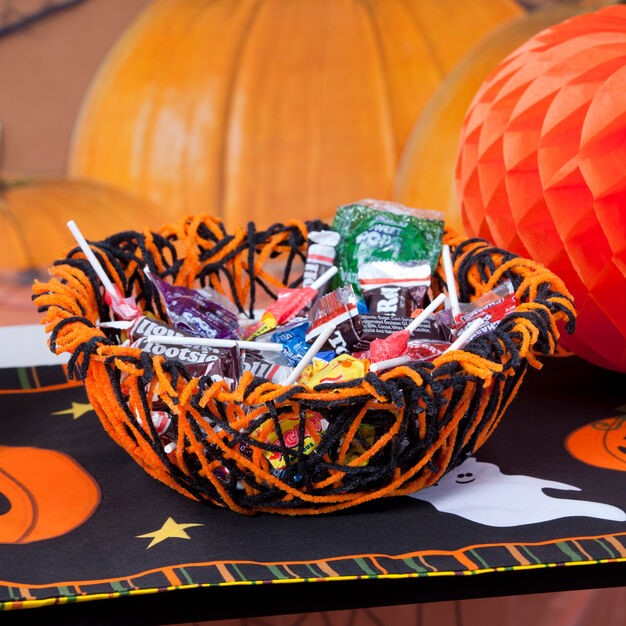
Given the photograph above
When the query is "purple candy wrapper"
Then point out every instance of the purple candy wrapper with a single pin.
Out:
(202, 312)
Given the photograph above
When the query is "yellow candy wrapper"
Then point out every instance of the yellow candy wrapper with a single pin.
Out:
(314, 426)
(341, 368)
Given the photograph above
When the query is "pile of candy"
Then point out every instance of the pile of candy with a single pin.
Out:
(366, 304)
(379, 313)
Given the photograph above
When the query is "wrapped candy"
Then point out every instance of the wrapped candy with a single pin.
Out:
(216, 363)
(339, 310)
(314, 426)
(375, 230)
(396, 344)
(320, 255)
(288, 304)
(491, 307)
(202, 312)
(124, 308)
(274, 372)
(341, 368)
(394, 287)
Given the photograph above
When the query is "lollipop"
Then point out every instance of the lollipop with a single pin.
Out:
(395, 345)
(289, 303)
(212, 342)
(311, 352)
(467, 334)
(386, 364)
(125, 308)
(453, 299)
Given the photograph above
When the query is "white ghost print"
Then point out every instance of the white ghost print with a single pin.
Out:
(481, 493)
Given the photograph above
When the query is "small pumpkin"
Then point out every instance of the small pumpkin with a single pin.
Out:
(425, 175)
(270, 110)
(34, 213)
(45, 494)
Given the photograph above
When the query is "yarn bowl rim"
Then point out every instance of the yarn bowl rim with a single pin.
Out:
(387, 434)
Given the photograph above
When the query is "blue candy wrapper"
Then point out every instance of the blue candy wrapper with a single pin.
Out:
(292, 336)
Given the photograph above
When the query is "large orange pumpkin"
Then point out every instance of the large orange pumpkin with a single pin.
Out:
(425, 175)
(34, 212)
(269, 110)
(45, 494)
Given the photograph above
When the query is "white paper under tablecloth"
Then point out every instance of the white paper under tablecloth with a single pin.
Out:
(26, 345)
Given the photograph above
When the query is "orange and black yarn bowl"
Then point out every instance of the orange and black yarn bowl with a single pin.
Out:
(387, 434)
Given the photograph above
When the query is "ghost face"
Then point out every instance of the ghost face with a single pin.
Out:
(464, 478)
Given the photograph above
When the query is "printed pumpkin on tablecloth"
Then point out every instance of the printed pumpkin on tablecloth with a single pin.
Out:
(540, 169)
(43, 494)
(270, 111)
(601, 443)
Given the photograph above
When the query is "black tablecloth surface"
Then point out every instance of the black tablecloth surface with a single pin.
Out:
(135, 536)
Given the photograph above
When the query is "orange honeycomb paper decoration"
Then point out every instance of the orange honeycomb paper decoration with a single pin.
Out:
(541, 168)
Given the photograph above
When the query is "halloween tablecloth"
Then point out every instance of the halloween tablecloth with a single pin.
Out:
(81, 525)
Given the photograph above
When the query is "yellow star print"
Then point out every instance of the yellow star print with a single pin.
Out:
(169, 530)
(78, 409)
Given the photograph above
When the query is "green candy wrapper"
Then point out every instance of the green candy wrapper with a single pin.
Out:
(375, 230)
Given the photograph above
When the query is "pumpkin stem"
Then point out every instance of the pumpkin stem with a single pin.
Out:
(8, 182)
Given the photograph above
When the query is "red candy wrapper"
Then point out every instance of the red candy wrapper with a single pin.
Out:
(288, 304)
(491, 307)
(390, 347)
(338, 309)
(124, 308)
(426, 350)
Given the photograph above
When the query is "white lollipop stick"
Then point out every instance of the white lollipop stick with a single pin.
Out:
(118, 324)
(310, 353)
(324, 278)
(450, 280)
(467, 332)
(93, 261)
(388, 363)
(215, 343)
(426, 312)
(125, 308)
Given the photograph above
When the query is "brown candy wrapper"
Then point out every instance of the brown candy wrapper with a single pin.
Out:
(394, 288)
(217, 363)
(382, 326)
(145, 325)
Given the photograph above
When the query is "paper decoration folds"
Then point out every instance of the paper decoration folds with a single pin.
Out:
(541, 168)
